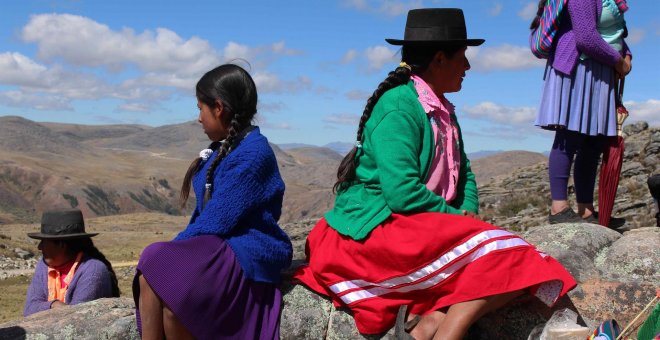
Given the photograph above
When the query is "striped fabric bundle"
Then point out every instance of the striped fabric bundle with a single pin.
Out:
(540, 40)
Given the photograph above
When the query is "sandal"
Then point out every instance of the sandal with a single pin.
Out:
(402, 327)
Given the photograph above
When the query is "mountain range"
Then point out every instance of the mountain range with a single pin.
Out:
(121, 169)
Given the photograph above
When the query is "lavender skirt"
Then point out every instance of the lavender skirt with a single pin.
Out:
(203, 284)
(582, 102)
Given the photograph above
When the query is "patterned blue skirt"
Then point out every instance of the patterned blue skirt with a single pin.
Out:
(582, 102)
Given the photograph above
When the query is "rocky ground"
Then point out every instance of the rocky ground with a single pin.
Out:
(520, 200)
(617, 271)
(617, 277)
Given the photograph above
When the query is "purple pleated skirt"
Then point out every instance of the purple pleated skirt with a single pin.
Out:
(582, 102)
(203, 284)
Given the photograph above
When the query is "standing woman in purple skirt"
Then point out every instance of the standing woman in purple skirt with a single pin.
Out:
(218, 278)
(588, 56)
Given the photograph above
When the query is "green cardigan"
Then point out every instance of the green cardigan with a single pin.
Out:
(397, 150)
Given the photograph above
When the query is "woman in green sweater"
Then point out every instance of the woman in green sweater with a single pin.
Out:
(402, 238)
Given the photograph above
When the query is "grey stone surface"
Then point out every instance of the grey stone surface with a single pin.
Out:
(100, 319)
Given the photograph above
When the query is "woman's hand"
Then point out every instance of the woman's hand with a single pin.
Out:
(471, 214)
(623, 67)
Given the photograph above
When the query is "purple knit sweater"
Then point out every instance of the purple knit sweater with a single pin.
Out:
(578, 33)
(91, 281)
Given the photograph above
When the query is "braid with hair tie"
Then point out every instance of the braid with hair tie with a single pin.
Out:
(346, 171)
(226, 146)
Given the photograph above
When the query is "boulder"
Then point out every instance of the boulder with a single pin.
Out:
(617, 277)
(112, 318)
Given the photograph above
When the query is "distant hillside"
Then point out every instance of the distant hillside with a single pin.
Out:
(113, 169)
(502, 163)
(481, 154)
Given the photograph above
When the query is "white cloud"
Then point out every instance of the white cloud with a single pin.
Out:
(268, 82)
(635, 35)
(84, 42)
(262, 121)
(387, 7)
(648, 111)
(358, 95)
(505, 115)
(496, 9)
(281, 49)
(271, 107)
(19, 70)
(234, 50)
(528, 12)
(35, 101)
(342, 119)
(237, 51)
(377, 56)
(349, 56)
(134, 107)
(503, 57)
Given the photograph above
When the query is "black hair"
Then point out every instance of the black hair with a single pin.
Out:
(539, 12)
(86, 245)
(418, 59)
(231, 86)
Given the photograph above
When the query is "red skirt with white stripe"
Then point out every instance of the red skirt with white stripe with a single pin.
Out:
(427, 261)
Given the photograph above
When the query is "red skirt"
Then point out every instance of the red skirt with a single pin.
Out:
(427, 261)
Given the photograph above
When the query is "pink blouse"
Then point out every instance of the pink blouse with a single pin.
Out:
(443, 174)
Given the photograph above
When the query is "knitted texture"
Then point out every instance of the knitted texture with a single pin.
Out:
(244, 208)
(91, 281)
(395, 159)
(578, 34)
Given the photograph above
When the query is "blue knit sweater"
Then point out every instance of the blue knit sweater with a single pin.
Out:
(244, 208)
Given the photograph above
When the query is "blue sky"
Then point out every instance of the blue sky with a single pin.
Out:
(314, 62)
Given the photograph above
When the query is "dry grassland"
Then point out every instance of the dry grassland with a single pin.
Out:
(121, 238)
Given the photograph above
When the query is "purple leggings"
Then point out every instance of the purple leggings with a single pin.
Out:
(586, 150)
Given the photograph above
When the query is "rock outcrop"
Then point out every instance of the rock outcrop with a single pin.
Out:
(617, 276)
(520, 200)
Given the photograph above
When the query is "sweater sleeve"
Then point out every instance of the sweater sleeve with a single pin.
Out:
(239, 189)
(91, 281)
(467, 197)
(37, 293)
(584, 18)
(396, 149)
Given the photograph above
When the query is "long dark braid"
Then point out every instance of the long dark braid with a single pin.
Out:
(86, 245)
(233, 88)
(416, 59)
(539, 12)
(236, 126)
(346, 170)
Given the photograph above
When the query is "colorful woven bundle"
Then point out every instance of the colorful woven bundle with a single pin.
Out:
(540, 40)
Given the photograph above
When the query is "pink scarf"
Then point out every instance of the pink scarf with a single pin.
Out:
(443, 174)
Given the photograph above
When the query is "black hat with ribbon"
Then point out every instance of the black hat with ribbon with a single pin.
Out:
(435, 26)
(62, 225)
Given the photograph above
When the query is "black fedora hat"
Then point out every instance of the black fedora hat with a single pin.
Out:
(62, 225)
(435, 26)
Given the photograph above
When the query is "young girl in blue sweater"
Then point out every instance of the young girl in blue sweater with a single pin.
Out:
(217, 279)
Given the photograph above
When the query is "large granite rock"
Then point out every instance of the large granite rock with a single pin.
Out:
(100, 319)
(617, 275)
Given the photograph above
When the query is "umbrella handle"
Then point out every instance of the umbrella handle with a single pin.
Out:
(621, 112)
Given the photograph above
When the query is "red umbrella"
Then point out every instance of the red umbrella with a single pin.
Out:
(610, 169)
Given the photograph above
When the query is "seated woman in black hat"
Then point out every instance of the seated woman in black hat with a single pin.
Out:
(72, 270)
(404, 238)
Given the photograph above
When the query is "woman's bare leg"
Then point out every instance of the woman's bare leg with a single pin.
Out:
(428, 325)
(151, 312)
(462, 315)
(174, 329)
